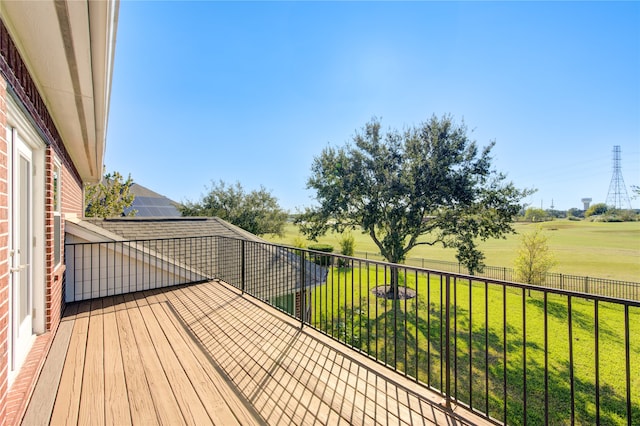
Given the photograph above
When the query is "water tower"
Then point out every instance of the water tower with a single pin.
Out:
(586, 202)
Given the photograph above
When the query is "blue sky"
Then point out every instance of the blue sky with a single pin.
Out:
(253, 91)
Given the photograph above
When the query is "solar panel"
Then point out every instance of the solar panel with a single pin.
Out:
(154, 207)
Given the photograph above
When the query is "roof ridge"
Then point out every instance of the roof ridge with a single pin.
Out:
(152, 219)
(142, 191)
(230, 226)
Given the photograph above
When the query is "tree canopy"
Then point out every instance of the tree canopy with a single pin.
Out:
(428, 184)
(110, 197)
(257, 211)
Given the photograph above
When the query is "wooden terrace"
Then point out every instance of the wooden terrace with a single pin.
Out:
(207, 354)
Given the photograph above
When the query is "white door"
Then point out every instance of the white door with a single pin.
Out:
(21, 252)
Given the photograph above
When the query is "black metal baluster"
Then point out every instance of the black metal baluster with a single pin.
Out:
(524, 355)
(546, 360)
(504, 352)
(486, 348)
(627, 343)
(447, 341)
(572, 389)
(455, 338)
(470, 343)
(597, 358)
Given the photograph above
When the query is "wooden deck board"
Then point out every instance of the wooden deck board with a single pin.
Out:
(225, 386)
(117, 411)
(66, 407)
(206, 383)
(92, 395)
(186, 397)
(166, 407)
(206, 354)
(139, 397)
(44, 393)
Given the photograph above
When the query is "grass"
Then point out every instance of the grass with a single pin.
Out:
(603, 250)
(499, 335)
(408, 336)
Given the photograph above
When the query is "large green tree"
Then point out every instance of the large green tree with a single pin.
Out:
(428, 184)
(110, 197)
(257, 211)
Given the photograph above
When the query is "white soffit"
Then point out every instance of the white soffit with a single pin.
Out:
(68, 47)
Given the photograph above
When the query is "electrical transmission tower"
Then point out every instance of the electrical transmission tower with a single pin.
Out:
(617, 196)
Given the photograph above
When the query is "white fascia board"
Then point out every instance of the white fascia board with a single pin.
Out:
(68, 48)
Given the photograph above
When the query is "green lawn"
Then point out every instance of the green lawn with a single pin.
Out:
(408, 335)
(603, 250)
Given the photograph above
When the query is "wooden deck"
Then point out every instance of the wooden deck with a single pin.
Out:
(205, 354)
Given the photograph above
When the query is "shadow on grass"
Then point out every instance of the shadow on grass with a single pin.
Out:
(410, 338)
(580, 319)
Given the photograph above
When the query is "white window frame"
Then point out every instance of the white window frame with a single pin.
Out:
(57, 211)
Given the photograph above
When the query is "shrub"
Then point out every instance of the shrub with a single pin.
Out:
(626, 215)
(318, 258)
(612, 219)
(575, 212)
(299, 242)
(535, 215)
(347, 247)
(534, 259)
(605, 218)
(347, 244)
(325, 248)
(596, 209)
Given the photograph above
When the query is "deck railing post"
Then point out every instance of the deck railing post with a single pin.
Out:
(586, 284)
(242, 266)
(303, 296)
(447, 346)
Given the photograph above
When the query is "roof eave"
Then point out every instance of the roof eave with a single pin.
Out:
(69, 48)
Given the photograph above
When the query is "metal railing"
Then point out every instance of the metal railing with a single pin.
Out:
(118, 267)
(592, 285)
(510, 352)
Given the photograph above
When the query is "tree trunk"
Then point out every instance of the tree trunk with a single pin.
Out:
(393, 288)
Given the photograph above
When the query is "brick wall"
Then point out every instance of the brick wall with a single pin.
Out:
(14, 73)
(52, 271)
(4, 255)
(72, 200)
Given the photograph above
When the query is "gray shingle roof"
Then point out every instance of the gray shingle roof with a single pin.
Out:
(266, 264)
(144, 228)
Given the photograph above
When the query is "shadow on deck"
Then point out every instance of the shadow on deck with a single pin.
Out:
(206, 354)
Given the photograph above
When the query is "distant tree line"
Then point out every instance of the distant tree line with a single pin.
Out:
(597, 212)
